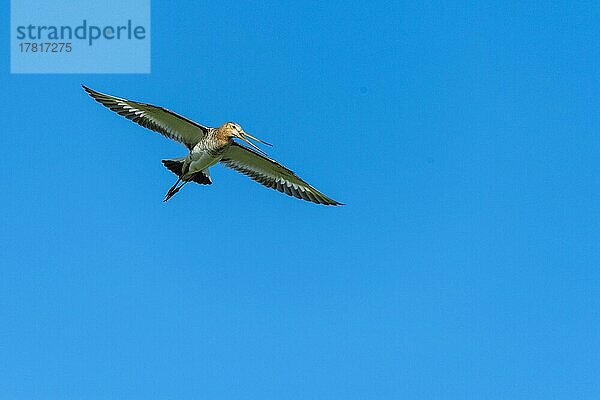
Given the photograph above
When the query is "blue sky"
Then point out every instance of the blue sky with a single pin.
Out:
(463, 138)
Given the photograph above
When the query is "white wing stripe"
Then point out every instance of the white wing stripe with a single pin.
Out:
(272, 174)
(156, 118)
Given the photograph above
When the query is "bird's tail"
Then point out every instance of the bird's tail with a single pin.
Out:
(175, 165)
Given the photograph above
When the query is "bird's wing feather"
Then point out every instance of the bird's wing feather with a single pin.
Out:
(158, 119)
(271, 174)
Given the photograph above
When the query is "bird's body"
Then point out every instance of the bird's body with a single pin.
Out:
(206, 153)
(209, 146)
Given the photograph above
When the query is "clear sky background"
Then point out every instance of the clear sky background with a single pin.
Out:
(463, 138)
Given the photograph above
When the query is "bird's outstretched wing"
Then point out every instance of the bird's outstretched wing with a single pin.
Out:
(272, 174)
(158, 119)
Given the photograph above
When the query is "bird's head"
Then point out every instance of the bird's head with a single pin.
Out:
(231, 130)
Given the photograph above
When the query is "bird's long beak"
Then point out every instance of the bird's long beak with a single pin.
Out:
(257, 139)
(243, 137)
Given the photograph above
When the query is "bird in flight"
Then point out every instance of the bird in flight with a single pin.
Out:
(208, 146)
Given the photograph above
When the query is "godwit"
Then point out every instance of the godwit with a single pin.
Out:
(208, 146)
